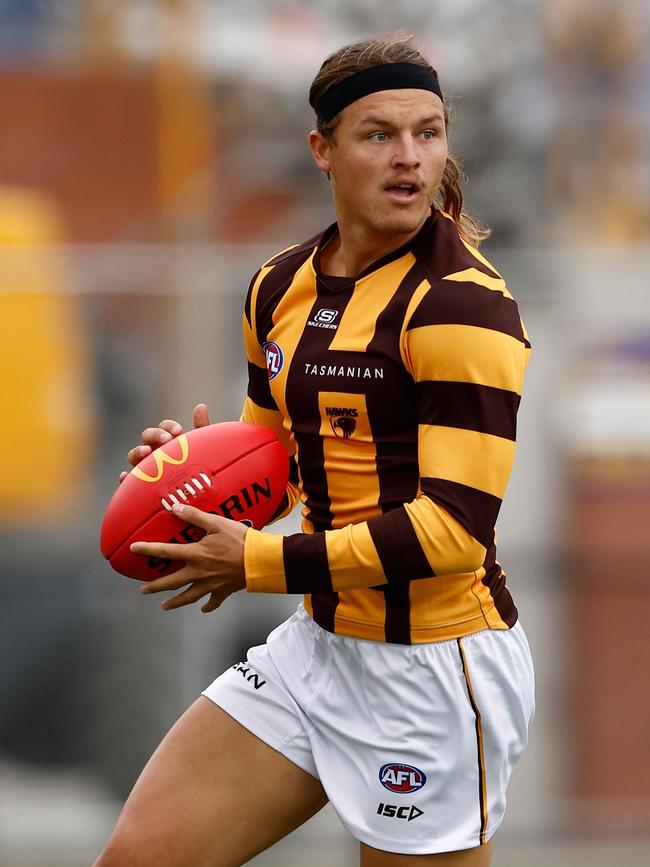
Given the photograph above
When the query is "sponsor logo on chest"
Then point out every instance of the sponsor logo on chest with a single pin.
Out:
(345, 371)
(324, 318)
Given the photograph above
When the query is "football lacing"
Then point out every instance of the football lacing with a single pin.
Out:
(191, 489)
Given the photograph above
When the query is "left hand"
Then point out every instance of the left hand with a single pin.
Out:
(215, 565)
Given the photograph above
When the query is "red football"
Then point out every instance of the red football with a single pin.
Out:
(234, 469)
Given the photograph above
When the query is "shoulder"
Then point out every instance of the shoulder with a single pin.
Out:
(465, 288)
(442, 253)
(278, 270)
(295, 254)
(273, 279)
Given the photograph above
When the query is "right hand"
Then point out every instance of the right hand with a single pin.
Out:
(152, 437)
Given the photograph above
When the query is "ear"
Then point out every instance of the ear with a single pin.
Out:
(320, 150)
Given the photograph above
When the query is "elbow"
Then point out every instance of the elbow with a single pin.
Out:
(446, 542)
(467, 556)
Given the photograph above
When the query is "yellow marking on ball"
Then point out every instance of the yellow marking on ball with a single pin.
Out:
(161, 458)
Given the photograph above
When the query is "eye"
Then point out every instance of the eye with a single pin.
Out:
(379, 136)
(428, 134)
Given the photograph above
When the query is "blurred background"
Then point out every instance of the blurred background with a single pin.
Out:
(152, 153)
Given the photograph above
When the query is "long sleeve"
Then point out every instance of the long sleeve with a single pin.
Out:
(260, 406)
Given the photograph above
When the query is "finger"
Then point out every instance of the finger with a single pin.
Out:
(164, 550)
(213, 602)
(200, 417)
(174, 581)
(156, 436)
(205, 520)
(171, 426)
(123, 475)
(192, 594)
(153, 438)
(137, 454)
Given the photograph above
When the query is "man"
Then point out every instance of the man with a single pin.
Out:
(388, 355)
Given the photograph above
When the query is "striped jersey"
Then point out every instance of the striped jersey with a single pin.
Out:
(396, 394)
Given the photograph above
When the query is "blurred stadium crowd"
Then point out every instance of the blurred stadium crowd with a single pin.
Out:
(153, 153)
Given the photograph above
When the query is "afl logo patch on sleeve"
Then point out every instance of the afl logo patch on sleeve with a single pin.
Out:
(401, 779)
(274, 359)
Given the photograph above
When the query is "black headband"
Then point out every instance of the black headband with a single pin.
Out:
(387, 76)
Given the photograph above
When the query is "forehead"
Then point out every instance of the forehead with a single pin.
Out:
(407, 104)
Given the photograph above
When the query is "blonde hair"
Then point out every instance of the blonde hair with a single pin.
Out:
(396, 48)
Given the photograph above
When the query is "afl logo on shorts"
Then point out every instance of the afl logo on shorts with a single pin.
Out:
(401, 779)
(274, 359)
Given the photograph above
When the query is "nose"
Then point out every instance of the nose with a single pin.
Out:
(406, 153)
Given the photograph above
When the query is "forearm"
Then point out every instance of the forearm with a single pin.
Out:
(417, 540)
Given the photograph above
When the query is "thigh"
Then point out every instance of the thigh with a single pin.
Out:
(213, 794)
(478, 857)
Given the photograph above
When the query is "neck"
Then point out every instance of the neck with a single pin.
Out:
(353, 249)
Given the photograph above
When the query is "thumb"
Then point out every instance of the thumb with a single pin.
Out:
(200, 417)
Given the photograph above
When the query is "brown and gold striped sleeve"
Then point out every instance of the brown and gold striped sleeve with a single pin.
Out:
(259, 405)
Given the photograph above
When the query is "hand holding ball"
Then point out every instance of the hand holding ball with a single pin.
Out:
(235, 469)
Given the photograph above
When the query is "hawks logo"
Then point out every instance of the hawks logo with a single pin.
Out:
(401, 779)
(342, 420)
(274, 359)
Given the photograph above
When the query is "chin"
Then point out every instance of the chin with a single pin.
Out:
(403, 224)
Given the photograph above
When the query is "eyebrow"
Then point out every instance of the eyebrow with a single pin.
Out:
(381, 121)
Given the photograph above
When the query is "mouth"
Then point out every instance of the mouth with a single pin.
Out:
(403, 192)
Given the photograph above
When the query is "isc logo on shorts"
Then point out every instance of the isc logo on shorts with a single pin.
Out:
(274, 359)
(392, 811)
(401, 779)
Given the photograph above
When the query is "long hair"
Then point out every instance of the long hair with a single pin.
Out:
(398, 48)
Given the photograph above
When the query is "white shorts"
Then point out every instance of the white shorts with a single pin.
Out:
(414, 745)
